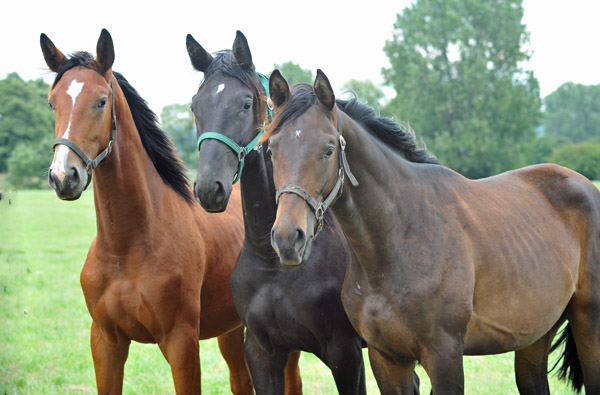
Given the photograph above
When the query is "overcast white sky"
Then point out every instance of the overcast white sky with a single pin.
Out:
(345, 40)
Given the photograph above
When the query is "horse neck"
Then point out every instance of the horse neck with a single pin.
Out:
(258, 202)
(384, 191)
(128, 191)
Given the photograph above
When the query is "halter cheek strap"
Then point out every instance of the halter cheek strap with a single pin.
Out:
(240, 151)
(319, 207)
(91, 164)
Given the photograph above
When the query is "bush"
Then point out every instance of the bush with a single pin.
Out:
(28, 166)
(583, 158)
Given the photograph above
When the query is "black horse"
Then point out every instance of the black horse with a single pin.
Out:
(285, 309)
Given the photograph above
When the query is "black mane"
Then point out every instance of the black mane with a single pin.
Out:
(156, 142)
(395, 135)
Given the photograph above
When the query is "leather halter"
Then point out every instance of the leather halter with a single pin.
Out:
(91, 164)
(319, 207)
(240, 151)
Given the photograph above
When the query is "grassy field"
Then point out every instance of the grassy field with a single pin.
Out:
(44, 324)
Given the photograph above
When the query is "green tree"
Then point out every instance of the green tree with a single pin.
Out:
(295, 74)
(178, 122)
(366, 91)
(455, 69)
(26, 130)
(573, 111)
(583, 158)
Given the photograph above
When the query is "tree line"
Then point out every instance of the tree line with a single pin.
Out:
(455, 70)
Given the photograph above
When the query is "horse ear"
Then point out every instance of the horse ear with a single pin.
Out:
(54, 58)
(278, 88)
(105, 51)
(324, 91)
(241, 51)
(198, 55)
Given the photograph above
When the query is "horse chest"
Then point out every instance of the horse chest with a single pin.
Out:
(133, 306)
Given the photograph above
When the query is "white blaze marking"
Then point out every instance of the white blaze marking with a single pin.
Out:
(220, 88)
(74, 90)
(298, 133)
(59, 165)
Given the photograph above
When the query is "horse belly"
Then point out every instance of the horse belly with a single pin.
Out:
(516, 314)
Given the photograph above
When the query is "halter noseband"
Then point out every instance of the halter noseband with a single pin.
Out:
(319, 207)
(240, 151)
(91, 164)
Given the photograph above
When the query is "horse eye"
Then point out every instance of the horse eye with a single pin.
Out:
(102, 102)
(247, 105)
(51, 106)
(329, 152)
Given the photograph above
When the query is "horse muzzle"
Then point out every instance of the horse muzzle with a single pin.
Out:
(213, 195)
(68, 183)
(290, 238)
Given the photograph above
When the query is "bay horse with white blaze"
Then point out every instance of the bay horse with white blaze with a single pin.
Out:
(284, 308)
(446, 266)
(158, 269)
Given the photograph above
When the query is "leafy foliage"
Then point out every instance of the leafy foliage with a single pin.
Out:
(366, 91)
(584, 158)
(573, 111)
(26, 130)
(454, 66)
(295, 74)
(178, 122)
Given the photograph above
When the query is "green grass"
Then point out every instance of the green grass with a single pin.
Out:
(44, 324)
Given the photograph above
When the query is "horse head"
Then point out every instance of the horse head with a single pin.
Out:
(82, 98)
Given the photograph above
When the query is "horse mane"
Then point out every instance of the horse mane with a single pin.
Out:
(156, 142)
(224, 63)
(398, 136)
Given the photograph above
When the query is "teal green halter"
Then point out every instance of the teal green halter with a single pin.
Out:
(241, 152)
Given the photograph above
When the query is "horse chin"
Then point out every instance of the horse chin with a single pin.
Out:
(210, 208)
(299, 258)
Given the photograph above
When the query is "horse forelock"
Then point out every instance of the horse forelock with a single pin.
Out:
(77, 59)
(224, 65)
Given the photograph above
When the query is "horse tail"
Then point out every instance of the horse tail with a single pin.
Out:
(570, 371)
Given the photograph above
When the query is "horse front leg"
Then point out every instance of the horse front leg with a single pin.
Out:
(293, 381)
(393, 377)
(109, 360)
(231, 345)
(181, 349)
(344, 358)
(442, 359)
(267, 368)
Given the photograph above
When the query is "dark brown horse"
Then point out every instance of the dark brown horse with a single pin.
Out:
(158, 269)
(285, 309)
(446, 266)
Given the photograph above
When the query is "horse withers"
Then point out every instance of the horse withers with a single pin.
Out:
(158, 269)
(446, 266)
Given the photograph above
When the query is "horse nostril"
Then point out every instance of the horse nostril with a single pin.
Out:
(219, 192)
(53, 180)
(300, 239)
(73, 175)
